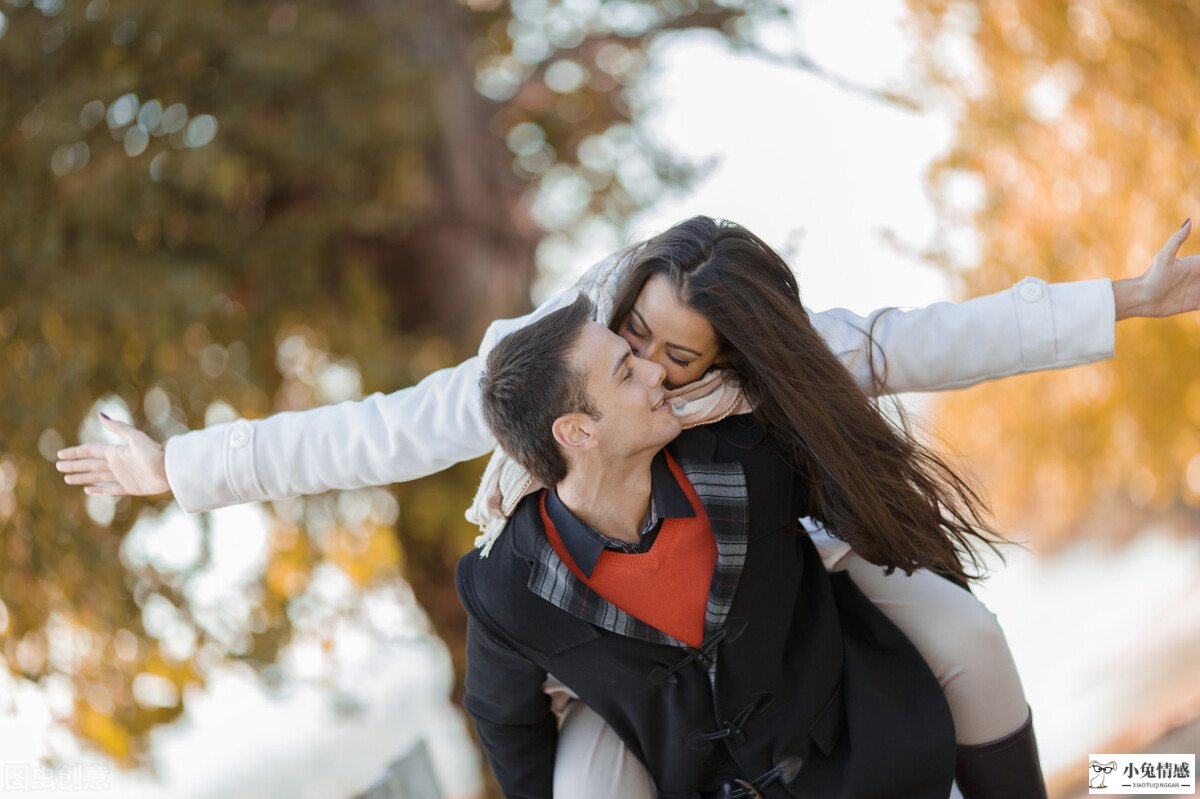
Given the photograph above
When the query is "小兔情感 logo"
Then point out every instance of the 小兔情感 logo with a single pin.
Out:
(1152, 773)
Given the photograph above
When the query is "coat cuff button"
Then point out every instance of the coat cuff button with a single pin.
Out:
(1031, 292)
(238, 438)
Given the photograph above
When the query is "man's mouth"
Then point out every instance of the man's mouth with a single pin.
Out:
(658, 406)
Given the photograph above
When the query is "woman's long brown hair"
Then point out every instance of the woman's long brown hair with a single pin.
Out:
(895, 501)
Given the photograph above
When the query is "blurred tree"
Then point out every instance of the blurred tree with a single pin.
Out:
(215, 209)
(1075, 158)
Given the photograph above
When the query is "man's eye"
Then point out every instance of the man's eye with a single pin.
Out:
(628, 374)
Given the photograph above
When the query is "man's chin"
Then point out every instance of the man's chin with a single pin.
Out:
(663, 430)
(672, 428)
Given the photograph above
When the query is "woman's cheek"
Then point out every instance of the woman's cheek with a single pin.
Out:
(677, 375)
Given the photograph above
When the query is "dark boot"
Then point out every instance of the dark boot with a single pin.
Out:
(1006, 768)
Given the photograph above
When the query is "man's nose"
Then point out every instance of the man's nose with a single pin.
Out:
(655, 374)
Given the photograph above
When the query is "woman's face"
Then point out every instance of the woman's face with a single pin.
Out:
(663, 330)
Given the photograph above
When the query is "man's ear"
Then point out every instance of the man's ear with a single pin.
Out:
(573, 431)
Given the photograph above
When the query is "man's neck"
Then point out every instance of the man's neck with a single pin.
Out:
(611, 496)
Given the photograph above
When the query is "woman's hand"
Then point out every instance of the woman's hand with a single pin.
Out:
(136, 467)
(1171, 285)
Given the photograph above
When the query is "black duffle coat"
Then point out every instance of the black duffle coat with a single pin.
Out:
(802, 688)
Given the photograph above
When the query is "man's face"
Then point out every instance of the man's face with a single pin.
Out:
(627, 391)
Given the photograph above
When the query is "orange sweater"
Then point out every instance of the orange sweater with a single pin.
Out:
(666, 587)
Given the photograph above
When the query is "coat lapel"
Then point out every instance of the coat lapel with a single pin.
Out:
(722, 490)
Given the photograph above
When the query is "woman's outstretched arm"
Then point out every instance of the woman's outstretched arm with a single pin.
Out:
(1032, 326)
(420, 430)
(381, 439)
(384, 438)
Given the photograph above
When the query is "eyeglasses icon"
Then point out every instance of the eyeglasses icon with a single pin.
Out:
(1105, 769)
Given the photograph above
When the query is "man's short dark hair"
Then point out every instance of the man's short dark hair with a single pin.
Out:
(529, 383)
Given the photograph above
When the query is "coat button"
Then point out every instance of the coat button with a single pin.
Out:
(750, 790)
(1031, 292)
(736, 733)
(238, 438)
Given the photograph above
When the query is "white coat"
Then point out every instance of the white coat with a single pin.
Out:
(420, 430)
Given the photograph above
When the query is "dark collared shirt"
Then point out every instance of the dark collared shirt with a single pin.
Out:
(585, 543)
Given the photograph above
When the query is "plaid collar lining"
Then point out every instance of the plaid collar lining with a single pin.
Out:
(722, 491)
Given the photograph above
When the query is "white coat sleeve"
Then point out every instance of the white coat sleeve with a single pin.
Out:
(384, 438)
(1033, 325)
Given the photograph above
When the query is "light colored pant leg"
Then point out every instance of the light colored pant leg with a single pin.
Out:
(959, 638)
(592, 762)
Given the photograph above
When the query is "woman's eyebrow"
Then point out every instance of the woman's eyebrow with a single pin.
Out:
(672, 345)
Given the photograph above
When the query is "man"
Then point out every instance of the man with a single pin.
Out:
(673, 592)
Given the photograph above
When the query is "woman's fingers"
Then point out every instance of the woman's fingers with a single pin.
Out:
(97, 450)
(109, 489)
(82, 451)
(1171, 248)
(122, 429)
(135, 467)
(91, 477)
(81, 465)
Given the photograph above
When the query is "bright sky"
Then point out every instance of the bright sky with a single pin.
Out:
(818, 173)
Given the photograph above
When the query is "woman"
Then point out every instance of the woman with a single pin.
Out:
(720, 311)
(671, 298)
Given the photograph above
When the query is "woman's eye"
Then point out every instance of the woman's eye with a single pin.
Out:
(633, 330)
(677, 362)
